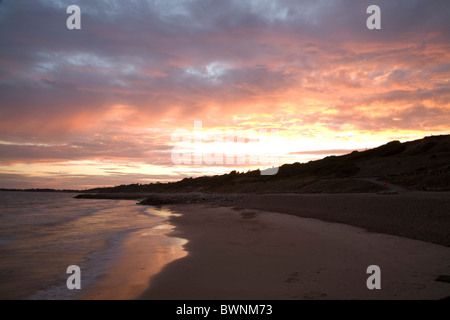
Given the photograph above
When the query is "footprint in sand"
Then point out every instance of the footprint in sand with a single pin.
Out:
(443, 278)
(293, 277)
(313, 295)
(248, 215)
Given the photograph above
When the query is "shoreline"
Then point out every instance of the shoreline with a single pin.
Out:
(415, 215)
(138, 256)
(132, 266)
(247, 253)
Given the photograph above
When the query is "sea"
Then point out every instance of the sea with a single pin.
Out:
(42, 234)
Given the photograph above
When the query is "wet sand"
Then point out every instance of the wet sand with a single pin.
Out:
(256, 254)
(134, 260)
(141, 256)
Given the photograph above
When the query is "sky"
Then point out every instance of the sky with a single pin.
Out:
(112, 102)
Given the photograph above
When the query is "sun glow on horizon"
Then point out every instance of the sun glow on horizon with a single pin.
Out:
(98, 106)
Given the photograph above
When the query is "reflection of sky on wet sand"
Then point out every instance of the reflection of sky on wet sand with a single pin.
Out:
(142, 255)
(117, 244)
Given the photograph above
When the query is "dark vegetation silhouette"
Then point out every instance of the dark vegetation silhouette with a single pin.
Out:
(415, 165)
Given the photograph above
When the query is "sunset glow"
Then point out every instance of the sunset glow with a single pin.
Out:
(98, 106)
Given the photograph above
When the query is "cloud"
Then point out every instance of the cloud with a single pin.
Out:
(146, 68)
(57, 180)
(324, 152)
(103, 148)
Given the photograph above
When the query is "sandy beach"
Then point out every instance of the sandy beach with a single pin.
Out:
(416, 215)
(244, 252)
